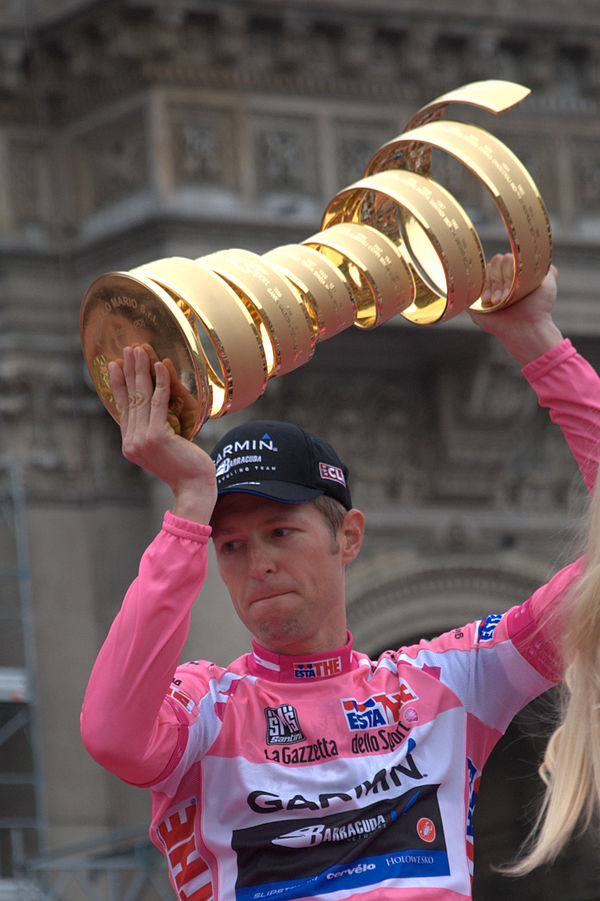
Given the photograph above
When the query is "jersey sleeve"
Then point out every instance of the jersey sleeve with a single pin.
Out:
(129, 722)
(569, 387)
(498, 664)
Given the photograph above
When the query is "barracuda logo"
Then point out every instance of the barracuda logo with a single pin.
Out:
(232, 462)
(318, 833)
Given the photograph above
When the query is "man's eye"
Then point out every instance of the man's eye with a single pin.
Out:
(229, 547)
(281, 532)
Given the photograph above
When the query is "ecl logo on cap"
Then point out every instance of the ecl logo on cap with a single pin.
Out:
(333, 473)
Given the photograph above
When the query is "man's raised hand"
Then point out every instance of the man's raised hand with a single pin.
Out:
(142, 390)
(525, 328)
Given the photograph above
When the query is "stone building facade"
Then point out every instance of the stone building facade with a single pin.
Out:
(136, 129)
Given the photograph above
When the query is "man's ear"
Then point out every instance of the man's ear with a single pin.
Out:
(351, 534)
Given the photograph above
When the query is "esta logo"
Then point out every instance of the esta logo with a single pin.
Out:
(377, 710)
(318, 669)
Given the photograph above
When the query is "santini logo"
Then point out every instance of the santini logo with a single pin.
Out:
(283, 727)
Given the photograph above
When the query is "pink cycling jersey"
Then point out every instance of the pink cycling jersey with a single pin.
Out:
(328, 776)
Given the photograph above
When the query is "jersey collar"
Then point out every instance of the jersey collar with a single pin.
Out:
(301, 668)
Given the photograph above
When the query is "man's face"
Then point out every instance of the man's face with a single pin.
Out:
(284, 571)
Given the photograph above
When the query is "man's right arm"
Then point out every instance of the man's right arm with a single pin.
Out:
(126, 724)
(563, 381)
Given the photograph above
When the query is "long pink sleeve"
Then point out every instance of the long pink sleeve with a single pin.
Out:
(569, 386)
(120, 723)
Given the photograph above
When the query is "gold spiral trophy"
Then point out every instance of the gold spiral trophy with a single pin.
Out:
(394, 242)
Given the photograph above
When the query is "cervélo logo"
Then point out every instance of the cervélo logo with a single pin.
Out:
(377, 710)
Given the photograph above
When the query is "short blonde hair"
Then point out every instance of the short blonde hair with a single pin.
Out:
(332, 511)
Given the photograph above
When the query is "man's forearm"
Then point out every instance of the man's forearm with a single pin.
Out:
(569, 387)
(525, 345)
(133, 671)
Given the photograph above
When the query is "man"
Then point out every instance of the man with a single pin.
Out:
(305, 769)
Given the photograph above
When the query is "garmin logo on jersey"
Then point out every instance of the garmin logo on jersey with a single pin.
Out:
(318, 669)
(283, 727)
(383, 782)
(378, 710)
(487, 627)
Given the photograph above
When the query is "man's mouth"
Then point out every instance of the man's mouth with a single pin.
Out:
(267, 596)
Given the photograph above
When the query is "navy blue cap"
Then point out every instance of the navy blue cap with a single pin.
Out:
(281, 461)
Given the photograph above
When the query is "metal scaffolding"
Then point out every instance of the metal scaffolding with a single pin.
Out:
(22, 802)
(123, 867)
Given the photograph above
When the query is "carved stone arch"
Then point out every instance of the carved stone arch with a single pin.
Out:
(398, 598)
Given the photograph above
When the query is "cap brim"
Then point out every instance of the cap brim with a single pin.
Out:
(286, 492)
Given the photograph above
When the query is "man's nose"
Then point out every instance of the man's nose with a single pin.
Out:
(261, 560)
